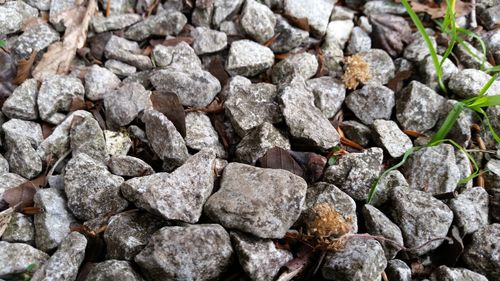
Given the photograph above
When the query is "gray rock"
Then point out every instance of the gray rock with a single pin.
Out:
(428, 72)
(248, 58)
(64, 263)
(379, 225)
(417, 50)
(225, 10)
(23, 159)
(397, 270)
(420, 217)
(21, 103)
(471, 57)
(371, 102)
(381, 65)
(416, 107)
(364, 23)
(359, 41)
(128, 166)
(128, 52)
(357, 132)
(201, 134)
(87, 137)
(16, 257)
(43, 5)
(119, 68)
(113, 22)
(8, 181)
(305, 121)
(342, 13)
(58, 11)
(289, 38)
(179, 195)
(230, 28)
(118, 7)
(129, 232)
(470, 209)
(390, 137)
(489, 17)
(164, 139)
(35, 38)
(329, 94)
(492, 42)
(4, 165)
(302, 65)
(181, 57)
(360, 259)
(322, 192)
(208, 41)
(263, 202)
(99, 81)
(16, 131)
(13, 14)
(433, 169)
(249, 105)
(317, 13)
(93, 193)
(333, 56)
(355, 172)
(467, 83)
(258, 141)
(161, 24)
(444, 273)
(460, 132)
(390, 180)
(113, 270)
(492, 174)
(258, 21)
(52, 225)
(201, 15)
(464, 166)
(383, 7)
(260, 258)
(20, 229)
(482, 254)
(125, 104)
(196, 252)
(338, 32)
(56, 96)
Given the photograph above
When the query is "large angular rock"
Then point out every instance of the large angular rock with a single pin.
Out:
(20, 229)
(302, 65)
(383, 190)
(483, 254)
(470, 209)
(181, 57)
(13, 14)
(225, 10)
(390, 137)
(129, 232)
(15, 258)
(64, 263)
(196, 252)
(99, 82)
(200, 134)
(113, 22)
(360, 259)
(429, 75)
(417, 50)
(317, 13)
(126, 51)
(22, 102)
(52, 225)
(93, 193)
(129, 166)
(176, 196)
(208, 41)
(260, 258)
(161, 24)
(290, 36)
(306, 122)
(248, 58)
(468, 83)
(125, 104)
(258, 21)
(433, 169)
(329, 94)
(263, 202)
(87, 137)
(379, 225)
(382, 67)
(444, 273)
(398, 270)
(36, 38)
(371, 102)
(113, 270)
(354, 173)
(420, 217)
(338, 32)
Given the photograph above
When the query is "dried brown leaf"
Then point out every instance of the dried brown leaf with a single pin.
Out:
(357, 70)
(170, 105)
(24, 68)
(398, 79)
(174, 41)
(57, 59)
(21, 195)
(217, 69)
(32, 22)
(302, 23)
(5, 217)
(438, 11)
(279, 158)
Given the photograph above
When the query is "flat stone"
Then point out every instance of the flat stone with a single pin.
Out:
(305, 121)
(65, 262)
(359, 41)
(317, 13)
(93, 193)
(208, 41)
(36, 38)
(258, 21)
(433, 169)
(420, 217)
(382, 67)
(371, 102)
(113, 22)
(390, 137)
(99, 81)
(225, 10)
(416, 107)
(329, 94)
(56, 96)
(263, 202)
(260, 258)
(129, 166)
(125, 103)
(52, 225)
(360, 259)
(201, 134)
(195, 252)
(21, 104)
(482, 254)
(398, 270)
(354, 173)
(444, 273)
(289, 38)
(356, 131)
(179, 195)
(467, 83)
(20, 229)
(13, 14)
(119, 68)
(161, 24)
(248, 58)
(302, 65)
(379, 225)
(129, 232)
(113, 270)
(87, 137)
(126, 51)
(15, 258)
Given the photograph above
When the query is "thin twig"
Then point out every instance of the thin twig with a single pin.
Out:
(58, 162)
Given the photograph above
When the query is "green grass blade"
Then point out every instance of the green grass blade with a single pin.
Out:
(486, 86)
(450, 120)
(490, 127)
(2, 43)
(493, 69)
(469, 156)
(481, 43)
(483, 101)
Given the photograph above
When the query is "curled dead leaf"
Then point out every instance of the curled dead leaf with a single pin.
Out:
(439, 10)
(20, 196)
(302, 23)
(279, 158)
